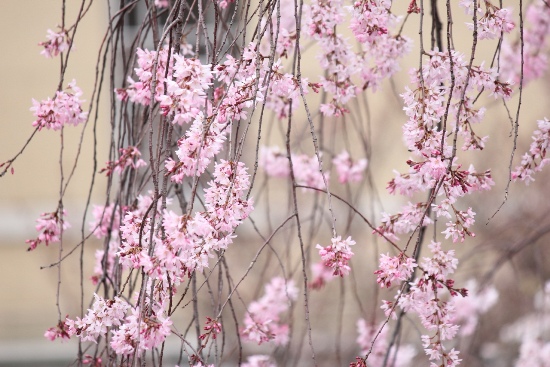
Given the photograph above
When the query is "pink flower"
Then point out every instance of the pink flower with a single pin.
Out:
(492, 21)
(64, 109)
(262, 321)
(56, 43)
(535, 159)
(397, 268)
(337, 255)
(259, 361)
(50, 226)
(348, 170)
(129, 157)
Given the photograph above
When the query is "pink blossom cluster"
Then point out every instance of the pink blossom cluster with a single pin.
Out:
(534, 160)
(192, 240)
(336, 56)
(49, 226)
(284, 91)
(425, 298)
(306, 169)
(371, 25)
(425, 106)
(411, 217)
(162, 3)
(129, 157)
(259, 361)
(535, 36)
(242, 88)
(274, 161)
(204, 139)
(186, 94)
(212, 328)
(57, 43)
(106, 220)
(349, 170)
(337, 255)
(140, 332)
(283, 38)
(322, 274)
(201, 142)
(105, 315)
(376, 337)
(106, 224)
(58, 331)
(64, 109)
(491, 22)
(140, 91)
(262, 322)
(186, 242)
(135, 235)
(394, 268)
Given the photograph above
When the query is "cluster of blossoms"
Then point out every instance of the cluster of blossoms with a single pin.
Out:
(57, 43)
(428, 108)
(140, 91)
(133, 332)
(212, 328)
(371, 24)
(104, 315)
(259, 361)
(49, 226)
(64, 109)
(201, 142)
(394, 268)
(348, 170)
(129, 157)
(306, 169)
(189, 240)
(409, 219)
(535, 36)
(491, 22)
(321, 274)
(535, 159)
(336, 56)
(284, 91)
(205, 138)
(262, 322)
(140, 332)
(186, 94)
(282, 28)
(425, 298)
(337, 255)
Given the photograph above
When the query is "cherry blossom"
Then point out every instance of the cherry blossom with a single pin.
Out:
(337, 255)
(102, 317)
(57, 43)
(394, 268)
(129, 157)
(259, 361)
(49, 226)
(492, 21)
(262, 321)
(64, 109)
(535, 159)
(348, 170)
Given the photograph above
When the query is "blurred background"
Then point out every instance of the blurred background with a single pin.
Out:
(510, 250)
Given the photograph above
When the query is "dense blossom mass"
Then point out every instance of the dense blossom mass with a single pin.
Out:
(207, 117)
